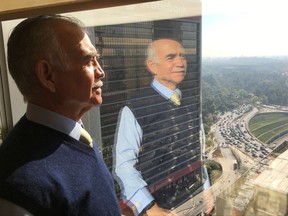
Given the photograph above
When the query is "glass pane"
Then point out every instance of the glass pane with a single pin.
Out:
(170, 161)
(123, 48)
(171, 158)
(245, 154)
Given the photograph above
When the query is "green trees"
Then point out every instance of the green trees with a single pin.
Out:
(229, 83)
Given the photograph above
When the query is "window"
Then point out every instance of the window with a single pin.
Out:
(228, 80)
(121, 37)
(123, 50)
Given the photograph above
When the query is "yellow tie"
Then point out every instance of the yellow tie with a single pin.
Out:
(175, 98)
(86, 138)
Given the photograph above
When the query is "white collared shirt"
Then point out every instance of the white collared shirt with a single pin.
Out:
(127, 145)
(53, 120)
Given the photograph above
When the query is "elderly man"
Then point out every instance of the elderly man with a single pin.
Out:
(47, 165)
(158, 157)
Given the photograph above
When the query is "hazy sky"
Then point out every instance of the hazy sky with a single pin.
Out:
(244, 28)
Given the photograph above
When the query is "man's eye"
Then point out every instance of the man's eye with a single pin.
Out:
(170, 57)
(91, 62)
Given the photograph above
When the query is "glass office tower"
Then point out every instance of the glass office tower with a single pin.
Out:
(123, 52)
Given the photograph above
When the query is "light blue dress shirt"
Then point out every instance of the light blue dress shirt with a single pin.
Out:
(128, 140)
(53, 120)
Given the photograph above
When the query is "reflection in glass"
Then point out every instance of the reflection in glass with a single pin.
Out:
(123, 52)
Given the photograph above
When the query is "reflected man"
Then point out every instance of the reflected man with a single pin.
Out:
(158, 155)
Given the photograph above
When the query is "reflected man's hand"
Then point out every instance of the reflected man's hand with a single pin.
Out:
(209, 201)
(155, 210)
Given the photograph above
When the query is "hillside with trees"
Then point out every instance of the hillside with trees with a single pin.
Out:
(229, 83)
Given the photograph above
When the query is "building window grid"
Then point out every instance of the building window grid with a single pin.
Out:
(123, 49)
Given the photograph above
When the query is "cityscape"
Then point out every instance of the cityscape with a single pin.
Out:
(237, 143)
(254, 167)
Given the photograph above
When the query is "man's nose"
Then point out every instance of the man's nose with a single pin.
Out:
(181, 61)
(99, 72)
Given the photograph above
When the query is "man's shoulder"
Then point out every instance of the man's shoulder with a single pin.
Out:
(145, 97)
(144, 92)
(25, 143)
(26, 131)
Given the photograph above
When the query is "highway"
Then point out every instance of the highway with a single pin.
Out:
(233, 138)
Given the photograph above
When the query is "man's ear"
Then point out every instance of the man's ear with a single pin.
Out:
(150, 64)
(45, 75)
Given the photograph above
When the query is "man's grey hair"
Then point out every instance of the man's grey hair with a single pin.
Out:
(32, 40)
(151, 52)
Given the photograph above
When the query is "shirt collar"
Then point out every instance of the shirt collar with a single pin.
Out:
(163, 90)
(53, 120)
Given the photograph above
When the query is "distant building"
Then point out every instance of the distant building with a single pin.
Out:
(271, 188)
(258, 194)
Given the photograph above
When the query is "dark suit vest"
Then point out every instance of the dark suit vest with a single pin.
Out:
(170, 154)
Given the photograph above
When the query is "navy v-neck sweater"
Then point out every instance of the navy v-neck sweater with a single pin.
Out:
(49, 173)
